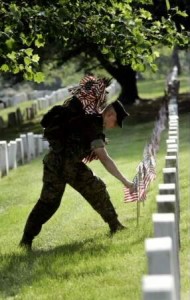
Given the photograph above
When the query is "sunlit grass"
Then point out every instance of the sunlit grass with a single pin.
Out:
(74, 257)
(151, 89)
(22, 106)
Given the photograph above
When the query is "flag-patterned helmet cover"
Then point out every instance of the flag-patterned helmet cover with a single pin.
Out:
(92, 93)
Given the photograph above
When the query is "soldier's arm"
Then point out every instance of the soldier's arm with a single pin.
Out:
(111, 167)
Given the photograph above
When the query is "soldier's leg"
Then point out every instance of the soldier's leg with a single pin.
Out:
(46, 206)
(50, 198)
(93, 189)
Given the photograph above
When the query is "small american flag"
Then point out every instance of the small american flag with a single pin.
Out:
(142, 186)
(146, 170)
(149, 162)
(151, 170)
(131, 197)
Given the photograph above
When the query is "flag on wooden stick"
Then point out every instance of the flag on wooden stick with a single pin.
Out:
(131, 196)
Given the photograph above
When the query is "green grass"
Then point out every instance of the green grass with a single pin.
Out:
(28, 125)
(74, 257)
(184, 84)
(23, 105)
(151, 89)
(147, 91)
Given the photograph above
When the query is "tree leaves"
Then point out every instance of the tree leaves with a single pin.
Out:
(39, 41)
(123, 31)
(39, 77)
(4, 68)
(167, 4)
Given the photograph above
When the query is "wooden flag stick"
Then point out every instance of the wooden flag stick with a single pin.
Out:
(138, 212)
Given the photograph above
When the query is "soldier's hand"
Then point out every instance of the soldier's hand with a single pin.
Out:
(132, 187)
(129, 184)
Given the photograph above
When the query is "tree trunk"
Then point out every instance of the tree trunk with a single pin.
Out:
(127, 79)
(124, 75)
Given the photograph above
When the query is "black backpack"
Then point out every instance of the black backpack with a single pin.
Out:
(56, 121)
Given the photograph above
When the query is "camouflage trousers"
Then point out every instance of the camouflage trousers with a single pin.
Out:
(57, 173)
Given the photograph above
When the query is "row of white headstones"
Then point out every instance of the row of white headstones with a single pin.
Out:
(45, 98)
(28, 146)
(59, 95)
(20, 151)
(162, 251)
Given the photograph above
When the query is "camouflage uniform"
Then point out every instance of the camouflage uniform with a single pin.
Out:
(66, 167)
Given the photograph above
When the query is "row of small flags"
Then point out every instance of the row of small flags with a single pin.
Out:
(146, 170)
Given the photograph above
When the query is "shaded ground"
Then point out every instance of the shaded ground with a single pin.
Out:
(147, 110)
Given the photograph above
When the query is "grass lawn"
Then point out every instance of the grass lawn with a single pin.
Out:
(152, 89)
(74, 257)
(22, 106)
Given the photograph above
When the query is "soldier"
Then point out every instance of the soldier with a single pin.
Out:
(64, 164)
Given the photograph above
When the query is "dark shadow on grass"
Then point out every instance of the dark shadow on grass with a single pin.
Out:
(23, 269)
(19, 270)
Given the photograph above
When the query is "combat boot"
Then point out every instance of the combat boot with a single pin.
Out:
(115, 227)
(26, 243)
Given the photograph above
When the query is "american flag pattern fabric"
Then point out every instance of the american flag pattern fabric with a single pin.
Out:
(92, 93)
(142, 181)
(132, 196)
(146, 170)
(150, 166)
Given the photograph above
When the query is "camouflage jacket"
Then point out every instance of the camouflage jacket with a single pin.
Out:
(70, 131)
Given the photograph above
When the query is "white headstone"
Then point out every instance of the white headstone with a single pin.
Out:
(45, 145)
(31, 146)
(38, 144)
(173, 137)
(160, 256)
(173, 117)
(170, 176)
(172, 152)
(173, 109)
(25, 145)
(165, 226)
(12, 155)
(172, 146)
(19, 151)
(4, 165)
(171, 140)
(166, 188)
(168, 204)
(158, 287)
